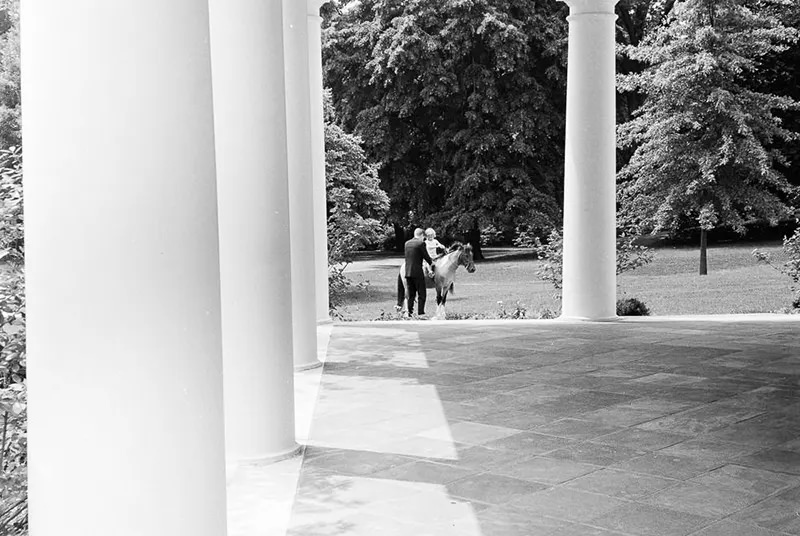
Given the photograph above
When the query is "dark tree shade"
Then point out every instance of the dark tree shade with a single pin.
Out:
(460, 102)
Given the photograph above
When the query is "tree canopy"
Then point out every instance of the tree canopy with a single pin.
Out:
(705, 136)
(460, 101)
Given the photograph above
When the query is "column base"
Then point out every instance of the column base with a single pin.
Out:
(309, 366)
(587, 319)
(270, 458)
(232, 467)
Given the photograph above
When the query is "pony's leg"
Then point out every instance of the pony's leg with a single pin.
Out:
(439, 301)
(441, 309)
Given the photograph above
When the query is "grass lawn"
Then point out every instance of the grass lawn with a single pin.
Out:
(669, 285)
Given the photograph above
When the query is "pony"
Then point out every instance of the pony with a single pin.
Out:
(443, 277)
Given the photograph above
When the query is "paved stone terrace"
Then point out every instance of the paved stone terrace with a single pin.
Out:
(645, 428)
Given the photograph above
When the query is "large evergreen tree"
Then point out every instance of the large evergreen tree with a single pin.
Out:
(460, 102)
(705, 138)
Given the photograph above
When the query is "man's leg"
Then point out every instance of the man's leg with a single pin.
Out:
(412, 291)
(423, 295)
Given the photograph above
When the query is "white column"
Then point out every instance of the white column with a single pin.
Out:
(124, 340)
(318, 159)
(589, 291)
(253, 191)
(301, 201)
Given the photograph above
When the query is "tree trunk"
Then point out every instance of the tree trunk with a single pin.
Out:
(473, 236)
(703, 252)
(399, 237)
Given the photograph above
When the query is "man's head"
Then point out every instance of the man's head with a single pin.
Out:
(419, 233)
(430, 234)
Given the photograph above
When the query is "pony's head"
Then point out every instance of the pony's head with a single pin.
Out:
(464, 256)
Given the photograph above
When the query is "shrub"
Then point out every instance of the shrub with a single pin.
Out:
(12, 244)
(356, 203)
(632, 307)
(13, 393)
(518, 312)
(791, 267)
(13, 405)
(551, 252)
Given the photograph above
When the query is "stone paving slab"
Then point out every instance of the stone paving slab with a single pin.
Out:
(657, 427)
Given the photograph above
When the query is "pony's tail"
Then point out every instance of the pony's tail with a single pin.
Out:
(452, 288)
(401, 291)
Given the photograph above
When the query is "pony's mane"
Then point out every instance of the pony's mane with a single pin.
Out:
(457, 246)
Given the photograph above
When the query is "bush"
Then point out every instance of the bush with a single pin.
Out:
(12, 240)
(551, 252)
(518, 312)
(13, 406)
(356, 203)
(13, 392)
(632, 307)
(791, 267)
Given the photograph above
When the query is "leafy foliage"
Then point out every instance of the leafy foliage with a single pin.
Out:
(630, 255)
(790, 267)
(704, 139)
(356, 203)
(518, 312)
(551, 255)
(9, 74)
(13, 405)
(13, 392)
(12, 238)
(632, 307)
(460, 102)
(13, 424)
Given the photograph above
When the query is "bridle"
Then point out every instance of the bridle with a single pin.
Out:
(465, 260)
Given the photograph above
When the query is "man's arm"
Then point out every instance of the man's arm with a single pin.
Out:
(425, 254)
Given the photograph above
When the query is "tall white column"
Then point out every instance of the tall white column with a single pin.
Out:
(124, 343)
(255, 253)
(589, 290)
(301, 201)
(318, 159)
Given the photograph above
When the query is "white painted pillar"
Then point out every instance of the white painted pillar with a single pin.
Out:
(318, 159)
(301, 201)
(253, 191)
(589, 290)
(124, 340)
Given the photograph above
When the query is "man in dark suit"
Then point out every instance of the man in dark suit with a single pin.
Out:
(415, 277)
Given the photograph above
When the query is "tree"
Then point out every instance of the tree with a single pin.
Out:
(356, 203)
(461, 104)
(704, 139)
(779, 73)
(635, 19)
